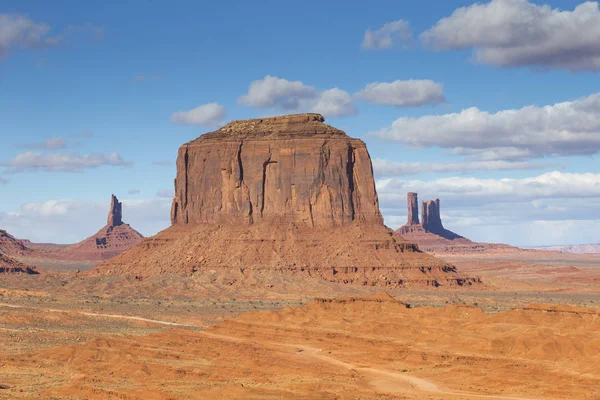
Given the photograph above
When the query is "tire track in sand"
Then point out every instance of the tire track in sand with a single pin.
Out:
(382, 380)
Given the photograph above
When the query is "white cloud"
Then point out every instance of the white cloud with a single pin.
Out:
(389, 35)
(295, 96)
(166, 193)
(335, 103)
(210, 115)
(63, 162)
(54, 143)
(17, 31)
(70, 221)
(511, 33)
(278, 92)
(468, 189)
(385, 168)
(411, 93)
(570, 128)
(499, 153)
(134, 191)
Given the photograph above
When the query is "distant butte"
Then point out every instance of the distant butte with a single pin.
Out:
(286, 196)
(430, 234)
(113, 239)
(431, 221)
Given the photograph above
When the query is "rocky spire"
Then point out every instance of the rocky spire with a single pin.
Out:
(430, 216)
(413, 209)
(115, 215)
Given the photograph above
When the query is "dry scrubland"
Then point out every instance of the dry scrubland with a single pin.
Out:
(65, 335)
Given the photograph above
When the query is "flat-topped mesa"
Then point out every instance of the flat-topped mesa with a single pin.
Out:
(273, 128)
(115, 214)
(413, 209)
(287, 199)
(292, 168)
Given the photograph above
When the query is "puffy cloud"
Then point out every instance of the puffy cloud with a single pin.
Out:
(389, 35)
(54, 143)
(17, 31)
(385, 168)
(73, 220)
(511, 33)
(134, 191)
(335, 103)
(295, 96)
(569, 128)
(166, 193)
(278, 92)
(63, 162)
(409, 93)
(469, 190)
(210, 115)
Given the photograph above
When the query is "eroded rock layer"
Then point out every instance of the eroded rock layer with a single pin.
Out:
(292, 167)
(11, 265)
(284, 195)
(11, 246)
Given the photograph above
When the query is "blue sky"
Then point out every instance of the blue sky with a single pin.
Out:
(107, 78)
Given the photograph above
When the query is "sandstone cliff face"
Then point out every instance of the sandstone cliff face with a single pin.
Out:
(413, 209)
(11, 249)
(430, 215)
(292, 168)
(11, 246)
(115, 214)
(10, 265)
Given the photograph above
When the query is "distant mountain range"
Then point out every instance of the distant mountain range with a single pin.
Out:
(575, 248)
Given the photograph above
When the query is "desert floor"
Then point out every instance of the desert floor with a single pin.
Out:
(533, 332)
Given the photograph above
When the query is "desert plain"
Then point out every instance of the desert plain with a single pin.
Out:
(63, 337)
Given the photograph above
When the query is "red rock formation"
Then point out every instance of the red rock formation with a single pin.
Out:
(113, 239)
(13, 252)
(11, 246)
(432, 221)
(11, 265)
(413, 209)
(115, 215)
(280, 196)
(294, 168)
(431, 236)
